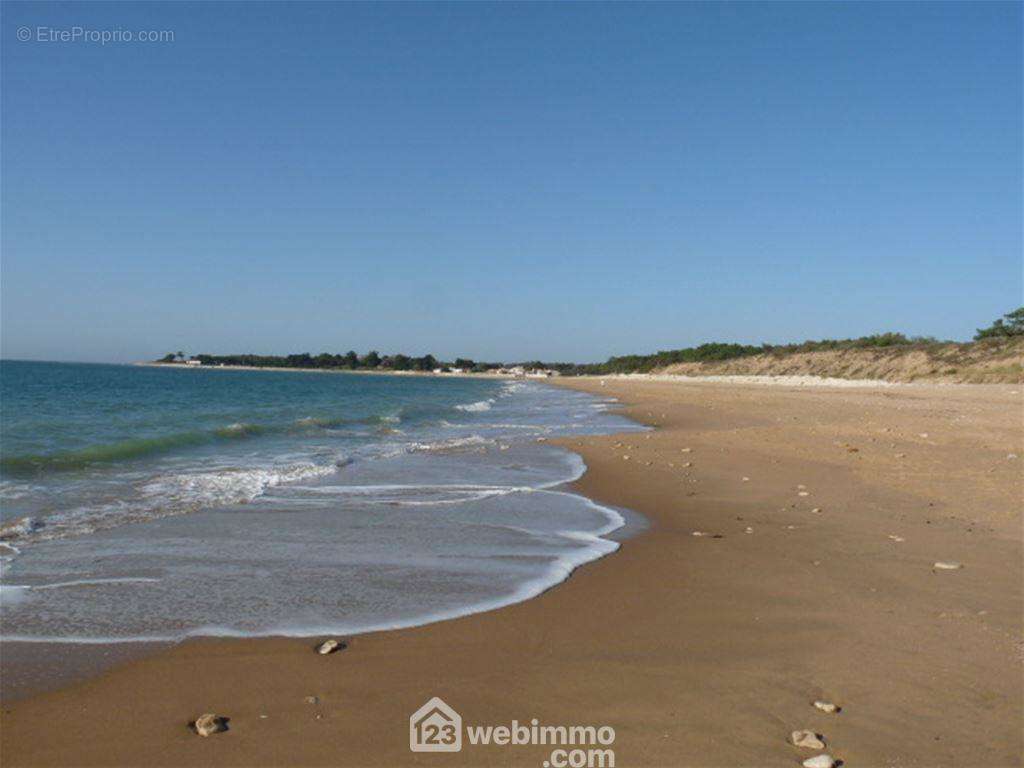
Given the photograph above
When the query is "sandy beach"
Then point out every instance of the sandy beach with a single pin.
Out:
(823, 512)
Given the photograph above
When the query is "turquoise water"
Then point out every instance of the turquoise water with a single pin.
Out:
(153, 503)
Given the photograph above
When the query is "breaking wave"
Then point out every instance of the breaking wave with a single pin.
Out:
(477, 407)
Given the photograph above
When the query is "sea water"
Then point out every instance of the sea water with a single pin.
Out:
(147, 503)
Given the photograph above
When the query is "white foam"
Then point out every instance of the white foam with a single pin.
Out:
(477, 407)
(88, 583)
(455, 443)
(558, 571)
(177, 494)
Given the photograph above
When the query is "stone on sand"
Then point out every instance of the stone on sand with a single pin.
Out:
(209, 724)
(806, 739)
(826, 706)
(819, 761)
(330, 646)
(948, 565)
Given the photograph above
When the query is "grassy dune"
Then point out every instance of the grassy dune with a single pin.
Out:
(989, 361)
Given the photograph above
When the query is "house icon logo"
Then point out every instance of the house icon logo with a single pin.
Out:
(435, 727)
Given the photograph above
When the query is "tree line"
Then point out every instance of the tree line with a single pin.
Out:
(351, 360)
(1011, 324)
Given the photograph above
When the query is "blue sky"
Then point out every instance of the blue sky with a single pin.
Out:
(563, 181)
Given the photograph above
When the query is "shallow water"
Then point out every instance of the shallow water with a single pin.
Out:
(157, 504)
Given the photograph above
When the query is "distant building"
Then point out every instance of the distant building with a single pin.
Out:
(193, 362)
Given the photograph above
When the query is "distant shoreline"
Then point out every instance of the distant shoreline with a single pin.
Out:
(368, 372)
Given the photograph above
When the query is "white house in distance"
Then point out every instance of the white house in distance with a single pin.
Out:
(435, 727)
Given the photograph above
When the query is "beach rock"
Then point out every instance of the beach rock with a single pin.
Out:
(806, 739)
(688, 464)
(826, 706)
(803, 493)
(700, 533)
(749, 530)
(330, 646)
(685, 450)
(896, 538)
(820, 761)
(209, 724)
(311, 700)
(746, 479)
(816, 511)
(948, 565)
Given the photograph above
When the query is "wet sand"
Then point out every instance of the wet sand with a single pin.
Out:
(698, 650)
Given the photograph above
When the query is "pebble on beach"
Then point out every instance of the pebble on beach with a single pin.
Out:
(806, 739)
(330, 646)
(819, 761)
(826, 706)
(209, 724)
(948, 565)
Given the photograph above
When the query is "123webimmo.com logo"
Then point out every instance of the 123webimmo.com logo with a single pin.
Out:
(437, 727)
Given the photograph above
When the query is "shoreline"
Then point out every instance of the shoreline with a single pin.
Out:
(697, 650)
(77, 659)
(349, 371)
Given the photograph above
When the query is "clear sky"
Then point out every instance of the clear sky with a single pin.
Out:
(563, 181)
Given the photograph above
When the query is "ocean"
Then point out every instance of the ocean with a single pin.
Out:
(146, 503)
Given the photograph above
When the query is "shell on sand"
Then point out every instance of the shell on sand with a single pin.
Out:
(330, 646)
(806, 739)
(209, 724)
